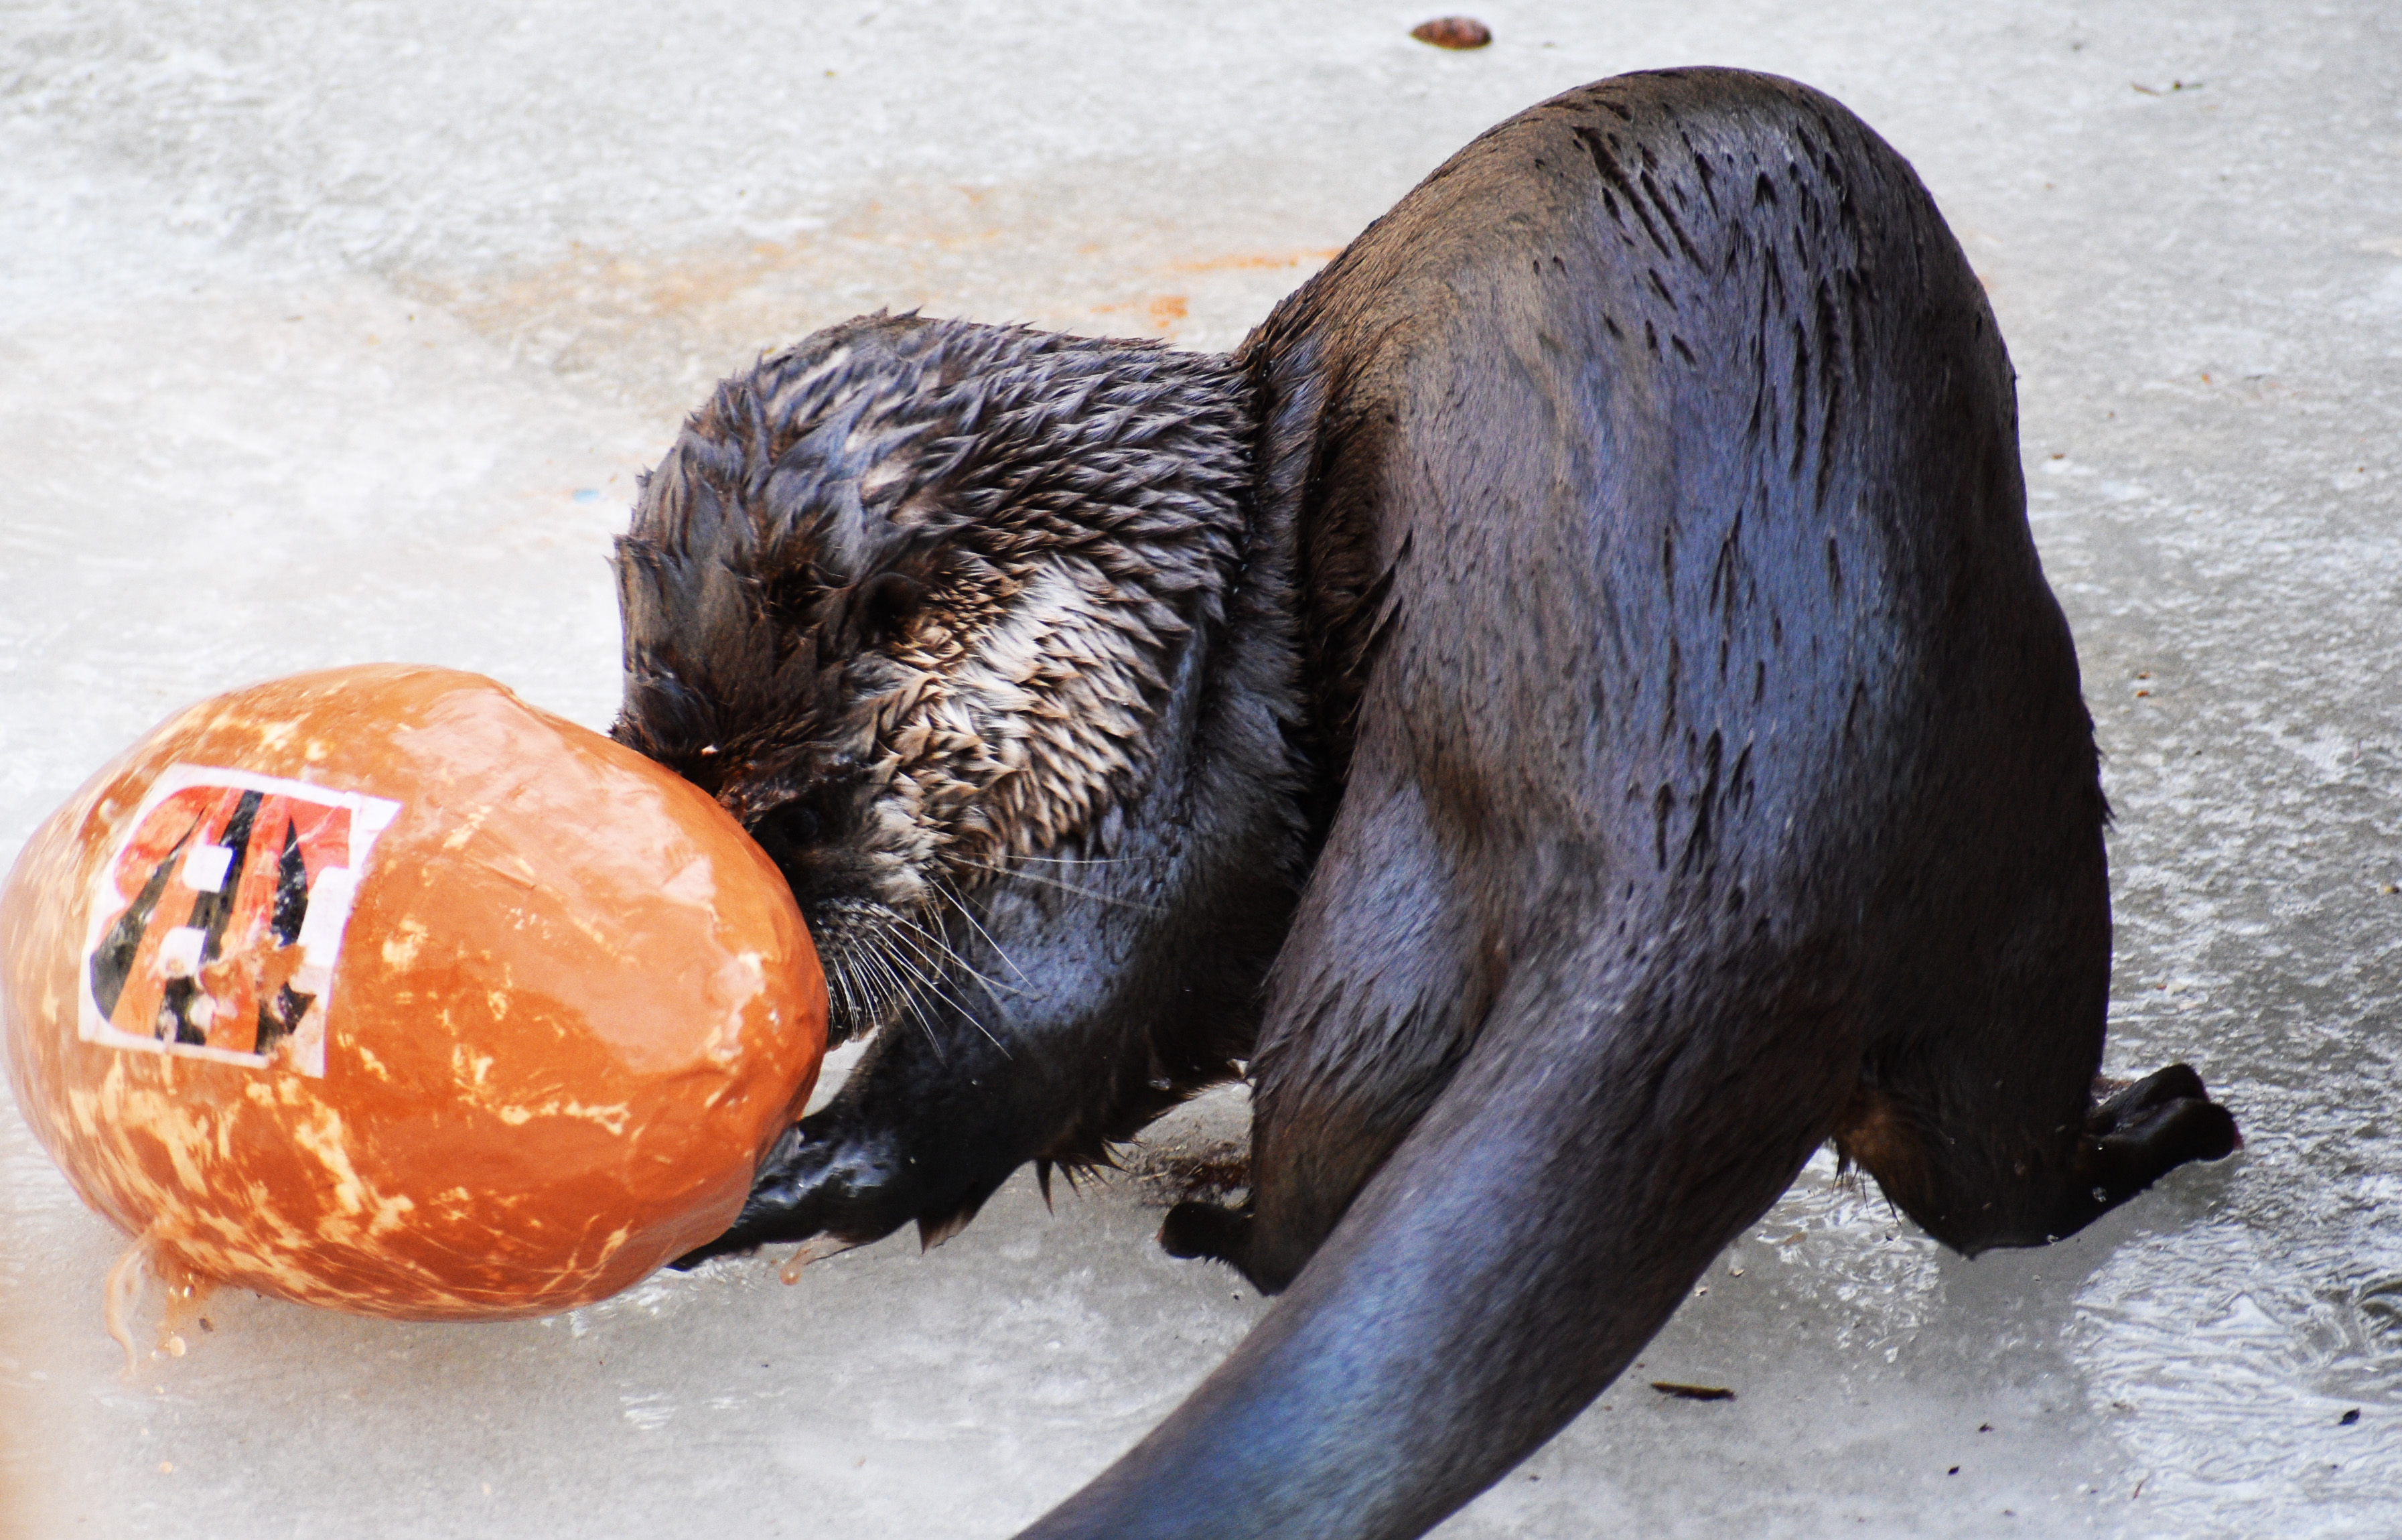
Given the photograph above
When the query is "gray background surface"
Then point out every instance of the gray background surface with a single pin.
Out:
(338, 333)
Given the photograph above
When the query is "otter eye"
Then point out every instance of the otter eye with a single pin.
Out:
(887, 603)
(792, 826)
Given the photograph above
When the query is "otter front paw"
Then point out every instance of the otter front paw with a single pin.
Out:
(844, 1175)
(818, 1181)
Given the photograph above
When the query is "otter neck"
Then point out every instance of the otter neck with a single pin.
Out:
(1213, 843)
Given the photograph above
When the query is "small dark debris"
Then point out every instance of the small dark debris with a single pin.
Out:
(1984, 1428)
(1953, 1471)
(205, 1326)
(1195, 1172)
(1692, 1393)
(2348, 1418)
(1453, 32)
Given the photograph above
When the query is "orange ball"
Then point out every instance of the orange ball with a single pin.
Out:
(379, 988)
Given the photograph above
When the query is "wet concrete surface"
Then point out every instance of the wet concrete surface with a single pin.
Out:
(337, 334)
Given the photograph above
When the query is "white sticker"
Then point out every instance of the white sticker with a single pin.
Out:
(216, 925)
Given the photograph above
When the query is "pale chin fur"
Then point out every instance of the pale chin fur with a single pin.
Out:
(1018, 753)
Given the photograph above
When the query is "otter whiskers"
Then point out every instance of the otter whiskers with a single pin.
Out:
(1093, 893)
(945, 892)
(948, 956)
(881, 970)
(928, 978)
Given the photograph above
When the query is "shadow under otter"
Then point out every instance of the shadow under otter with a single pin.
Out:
(1572, 700)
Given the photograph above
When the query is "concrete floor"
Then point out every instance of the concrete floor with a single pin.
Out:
(333, 334)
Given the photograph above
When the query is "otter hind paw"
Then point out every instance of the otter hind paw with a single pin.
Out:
(1207, 1230)
(2142, 1132)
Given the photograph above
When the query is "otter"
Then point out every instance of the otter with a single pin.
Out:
(1570, 708)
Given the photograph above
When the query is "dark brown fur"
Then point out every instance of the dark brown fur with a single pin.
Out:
(1598, 731)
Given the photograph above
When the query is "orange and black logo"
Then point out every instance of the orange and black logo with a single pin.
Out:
(216, 928)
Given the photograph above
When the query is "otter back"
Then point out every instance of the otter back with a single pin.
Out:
(1704, 775)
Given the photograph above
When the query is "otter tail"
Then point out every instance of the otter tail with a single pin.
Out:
(1525, 1239)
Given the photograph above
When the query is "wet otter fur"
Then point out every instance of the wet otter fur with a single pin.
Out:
(1573, 700)
(957, 619)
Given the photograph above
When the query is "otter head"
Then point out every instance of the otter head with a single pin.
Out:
(908, 600)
